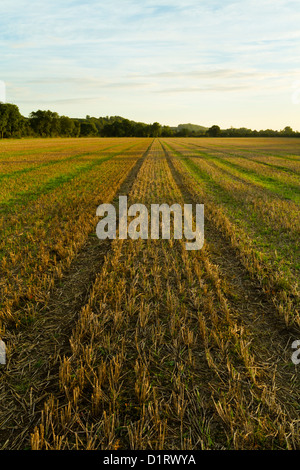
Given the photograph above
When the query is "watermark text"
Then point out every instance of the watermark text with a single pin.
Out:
(185, 224)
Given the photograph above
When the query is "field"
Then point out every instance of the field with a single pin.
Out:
(141, 344)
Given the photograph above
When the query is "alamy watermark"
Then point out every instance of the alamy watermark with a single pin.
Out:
(2, 352)
(296, 354)
(139, 227)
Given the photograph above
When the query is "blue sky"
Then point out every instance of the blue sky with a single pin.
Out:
(232, 63)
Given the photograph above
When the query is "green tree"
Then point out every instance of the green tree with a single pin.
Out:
(88, 129)
(11, 121)
(45, 123)
(166, 131)
(155, 129)
(214, 131)
(67, 126)
(3, 118)
(287, 131)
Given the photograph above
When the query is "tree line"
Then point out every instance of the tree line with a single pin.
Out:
(47, 123)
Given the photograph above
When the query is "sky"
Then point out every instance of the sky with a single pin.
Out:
(224, 62)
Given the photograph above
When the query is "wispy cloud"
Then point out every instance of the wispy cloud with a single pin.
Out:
(115, 57)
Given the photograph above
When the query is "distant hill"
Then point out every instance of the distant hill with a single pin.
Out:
(190, 127)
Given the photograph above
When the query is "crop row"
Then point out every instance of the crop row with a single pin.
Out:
(42, 231)
(263, 227)
(159, 357)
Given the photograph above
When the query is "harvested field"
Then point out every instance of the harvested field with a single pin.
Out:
(141, 344)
